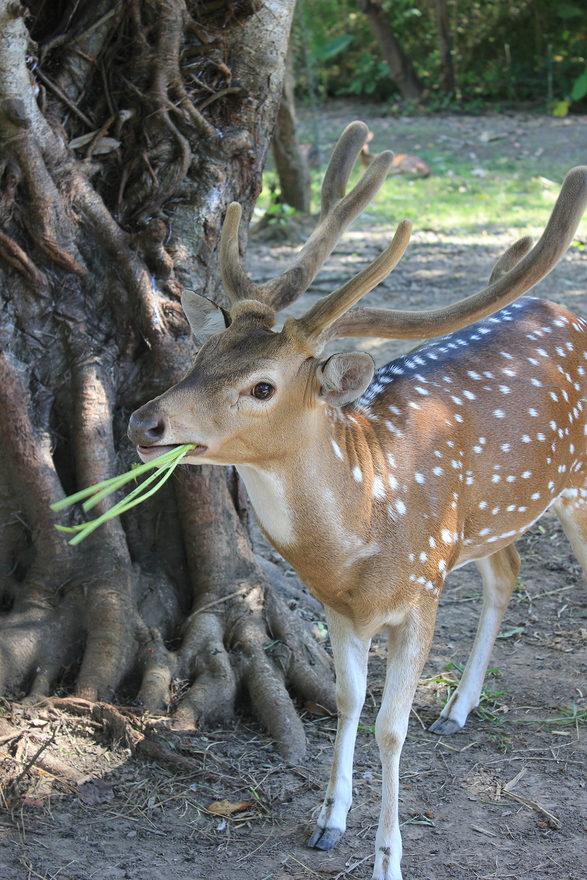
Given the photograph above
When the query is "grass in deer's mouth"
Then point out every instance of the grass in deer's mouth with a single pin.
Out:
(163, 467)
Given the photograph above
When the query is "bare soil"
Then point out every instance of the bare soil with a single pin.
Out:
(85, 793)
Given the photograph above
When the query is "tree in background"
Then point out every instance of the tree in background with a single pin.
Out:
(475, 52)
(401, 68)
(446, 79)
(126, 128)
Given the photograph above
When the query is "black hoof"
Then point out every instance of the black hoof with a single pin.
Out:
(324, 838)
(445, 726)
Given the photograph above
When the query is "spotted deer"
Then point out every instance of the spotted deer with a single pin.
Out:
(374, 486)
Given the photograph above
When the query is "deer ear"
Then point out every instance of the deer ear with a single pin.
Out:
(344, 377)
(205, 317)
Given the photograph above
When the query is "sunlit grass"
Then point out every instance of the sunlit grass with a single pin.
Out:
(453, 198)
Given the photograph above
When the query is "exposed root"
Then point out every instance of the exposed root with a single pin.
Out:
(111, 623)
(35, 645)
(14, 255)
(305, 665)
(205, 661)
(263, 679)
(29, 466)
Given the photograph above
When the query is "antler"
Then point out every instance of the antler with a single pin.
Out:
(516, 272)
(331, 307)
(513, 275)
(337, 212)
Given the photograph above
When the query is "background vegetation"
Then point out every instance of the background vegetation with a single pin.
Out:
(531, 52)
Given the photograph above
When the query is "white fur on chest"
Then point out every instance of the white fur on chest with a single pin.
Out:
(267, 494)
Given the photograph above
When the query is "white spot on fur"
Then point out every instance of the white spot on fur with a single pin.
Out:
(337, 451)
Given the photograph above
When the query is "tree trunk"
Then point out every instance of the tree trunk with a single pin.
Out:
(290, 163)
(447, 74)
(401, 69)
(122, 142)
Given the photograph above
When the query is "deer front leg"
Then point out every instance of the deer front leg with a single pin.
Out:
(350, 662)
(408, 647)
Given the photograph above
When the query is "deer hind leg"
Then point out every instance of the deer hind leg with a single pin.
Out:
(571, 509)
(499, 572)
(350, 662)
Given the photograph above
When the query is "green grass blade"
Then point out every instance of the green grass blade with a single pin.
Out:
(70, 500)
(68, 529)
(107, 487)
(163, 466)
(104, 493)
(129, 501)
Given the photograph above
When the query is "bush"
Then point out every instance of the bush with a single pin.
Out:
(531, 52)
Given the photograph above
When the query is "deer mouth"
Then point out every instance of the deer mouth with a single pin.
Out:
(149, 452)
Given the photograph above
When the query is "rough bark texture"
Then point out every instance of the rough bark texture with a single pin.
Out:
(125, 130)
(401, 69)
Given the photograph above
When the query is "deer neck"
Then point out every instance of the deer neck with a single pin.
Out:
(317, 506)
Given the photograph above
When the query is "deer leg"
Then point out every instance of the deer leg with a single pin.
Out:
(408, 648)
(571, 509)
(350, 662)
(499, 572)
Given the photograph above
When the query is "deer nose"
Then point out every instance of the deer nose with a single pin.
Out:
(145, 429)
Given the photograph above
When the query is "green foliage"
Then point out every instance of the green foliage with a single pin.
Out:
(370, 77)
(327, 51)
(279, 214)
(579, 89)
(506, 53)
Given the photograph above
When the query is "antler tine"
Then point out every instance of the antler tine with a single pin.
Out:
(338, 210)
(331, 307)
(512, 256)
(340, 165)
(237, 283)
(503, 289)
(296, 280)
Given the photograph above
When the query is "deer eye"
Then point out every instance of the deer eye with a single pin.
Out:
(263, 391)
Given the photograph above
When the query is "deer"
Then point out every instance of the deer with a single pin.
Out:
(402, 163)
(375, 484)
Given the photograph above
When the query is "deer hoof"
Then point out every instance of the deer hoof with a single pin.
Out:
(445, 726)
(325, 838)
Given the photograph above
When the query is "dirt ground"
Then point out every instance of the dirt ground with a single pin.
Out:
(85, 796)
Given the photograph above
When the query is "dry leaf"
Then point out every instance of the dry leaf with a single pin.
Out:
(227, 808)
(104, 144)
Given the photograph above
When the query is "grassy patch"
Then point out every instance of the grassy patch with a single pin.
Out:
(454, 198)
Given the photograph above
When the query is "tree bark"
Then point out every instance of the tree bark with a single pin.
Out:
(401, 69)
(290, 163)
(126, 128)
